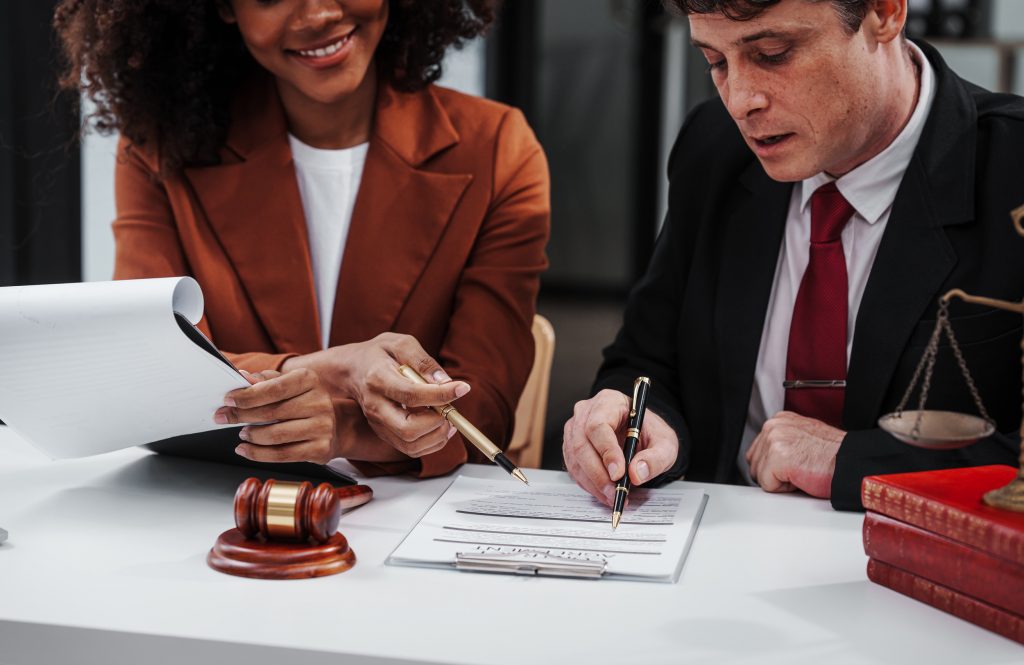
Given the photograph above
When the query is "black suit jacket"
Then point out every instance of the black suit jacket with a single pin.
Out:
(694, 322)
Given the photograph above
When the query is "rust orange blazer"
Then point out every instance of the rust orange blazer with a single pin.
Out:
(446, 243)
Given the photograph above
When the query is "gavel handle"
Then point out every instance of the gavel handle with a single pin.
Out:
(353, 496)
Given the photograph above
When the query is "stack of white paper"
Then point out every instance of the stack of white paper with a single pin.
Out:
(94, 367)
(547, 528)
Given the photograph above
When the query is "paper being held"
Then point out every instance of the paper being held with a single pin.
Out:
(98, 366)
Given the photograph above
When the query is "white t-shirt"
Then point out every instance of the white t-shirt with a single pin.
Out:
(328, 184)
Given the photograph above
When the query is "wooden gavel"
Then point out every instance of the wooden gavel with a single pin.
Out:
(277, 510)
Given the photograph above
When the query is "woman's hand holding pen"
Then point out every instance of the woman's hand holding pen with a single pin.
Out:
(367, 373)
(299, 413)
(592, 445)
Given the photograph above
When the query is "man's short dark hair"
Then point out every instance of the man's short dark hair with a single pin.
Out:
(851, 12)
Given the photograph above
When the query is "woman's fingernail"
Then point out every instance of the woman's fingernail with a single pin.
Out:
(609, 493)
(441, 377)
(451, 432)
(243, 434)
(229, 401)
(239, 450)
(244, 373)
(462, 390)
(642, 471)
(613, 469)
(220, 418)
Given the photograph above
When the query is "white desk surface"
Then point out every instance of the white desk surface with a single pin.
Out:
(106, 564)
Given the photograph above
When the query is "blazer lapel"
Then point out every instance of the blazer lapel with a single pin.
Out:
(253, 204)
(400, 214)
(915, 256)
(913, 261)
(752, 240)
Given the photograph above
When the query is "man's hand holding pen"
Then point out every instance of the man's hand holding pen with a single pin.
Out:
(592, 445)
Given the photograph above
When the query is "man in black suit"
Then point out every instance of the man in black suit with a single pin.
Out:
(794, 286)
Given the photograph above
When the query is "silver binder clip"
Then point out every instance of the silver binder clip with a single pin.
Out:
(529, 562)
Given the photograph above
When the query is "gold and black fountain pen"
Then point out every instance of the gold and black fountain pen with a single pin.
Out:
(468, 430)
(637, 408)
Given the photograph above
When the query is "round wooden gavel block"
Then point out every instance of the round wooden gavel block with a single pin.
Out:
(287, 530)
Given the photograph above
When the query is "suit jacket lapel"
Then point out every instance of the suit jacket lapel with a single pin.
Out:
(400, 215)
(913, 260)
(753, 237)
(253, 204)
(915, 257)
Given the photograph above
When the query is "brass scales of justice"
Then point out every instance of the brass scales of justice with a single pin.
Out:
(943, 430)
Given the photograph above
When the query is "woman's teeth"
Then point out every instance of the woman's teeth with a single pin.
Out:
(327, 50)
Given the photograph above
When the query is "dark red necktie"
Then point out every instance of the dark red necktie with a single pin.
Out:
(816, 361)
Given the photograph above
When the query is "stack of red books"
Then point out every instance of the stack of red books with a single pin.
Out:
(930, 536)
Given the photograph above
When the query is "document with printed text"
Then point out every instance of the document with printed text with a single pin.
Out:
(554, 529)
(93, 367)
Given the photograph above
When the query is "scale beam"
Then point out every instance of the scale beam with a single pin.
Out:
(1017, 307)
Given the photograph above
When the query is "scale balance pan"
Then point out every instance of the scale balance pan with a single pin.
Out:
(939, 430)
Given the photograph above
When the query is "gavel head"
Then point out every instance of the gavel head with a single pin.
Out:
(279, 510)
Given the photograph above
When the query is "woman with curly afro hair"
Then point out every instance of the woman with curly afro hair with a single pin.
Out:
(342, 213)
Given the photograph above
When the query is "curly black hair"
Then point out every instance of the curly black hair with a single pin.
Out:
(166, 70)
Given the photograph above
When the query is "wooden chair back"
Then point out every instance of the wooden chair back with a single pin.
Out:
(527, 442)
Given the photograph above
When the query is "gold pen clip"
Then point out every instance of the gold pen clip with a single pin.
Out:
(636, 390)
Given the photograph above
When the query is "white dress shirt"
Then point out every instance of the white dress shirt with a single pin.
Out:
(328, 184)
(871, 189)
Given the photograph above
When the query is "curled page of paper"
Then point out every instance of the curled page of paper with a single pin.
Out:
(490, 523)
(87, 368)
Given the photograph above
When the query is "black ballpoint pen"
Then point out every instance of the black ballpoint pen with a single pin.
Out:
(637, 408)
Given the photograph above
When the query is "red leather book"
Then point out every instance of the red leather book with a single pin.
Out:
(948, 502)
(960, 605)
(988, 578)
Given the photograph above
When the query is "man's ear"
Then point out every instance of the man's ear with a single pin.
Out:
(886, 19)
(227, 14)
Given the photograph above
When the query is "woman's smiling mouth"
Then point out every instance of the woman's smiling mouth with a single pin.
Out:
(325, 54)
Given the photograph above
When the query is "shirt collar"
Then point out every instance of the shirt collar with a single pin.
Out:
(871, 187)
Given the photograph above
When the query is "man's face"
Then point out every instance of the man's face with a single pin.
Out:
(802, 88)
